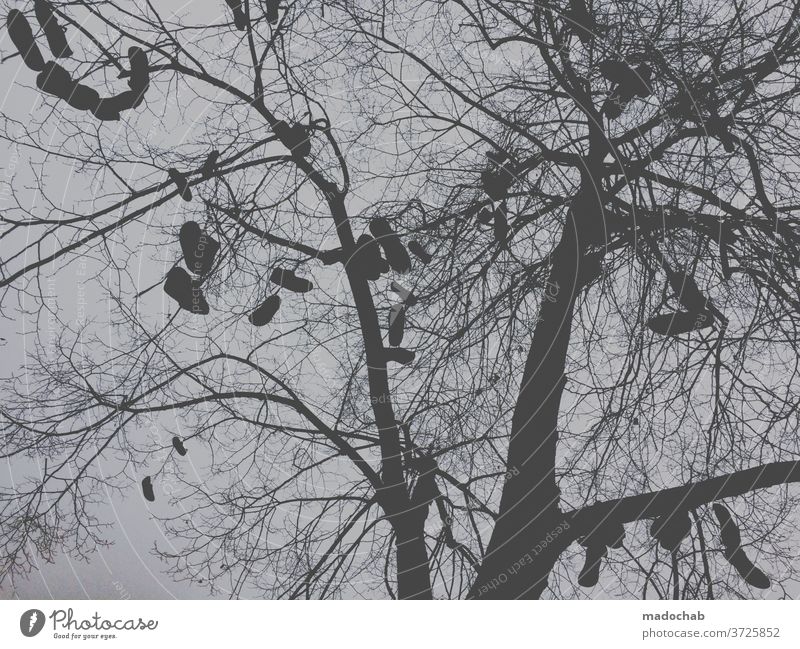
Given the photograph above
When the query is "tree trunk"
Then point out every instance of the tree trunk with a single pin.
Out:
(413, 565)
(525, 541)
(529, 534)
(413, 571)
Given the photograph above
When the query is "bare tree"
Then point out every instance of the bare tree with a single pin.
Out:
(599, 203)
(221, 116)
(630, 169)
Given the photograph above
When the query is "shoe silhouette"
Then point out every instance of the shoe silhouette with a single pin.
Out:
(147, 489)
(181, 182)
(687, 292)
(108, 109)
(498, 177)
(500, 226)
(288, 280)
(367, 258)
(732, 549)
(719, 127)
(265, 311)
(83, 97)
(199, 249)
(628, 83)
(177, 444)
(272, 11)
(239, 19)
(185, 291)
(53, 31)
(748, 571)
(419, 252)
(399, 355)
(19, 29)
(139, 80)
(393, 248)
(55, 80)
(582, 22)
(675, 323)
(606, 535)
(397, 323)
(210, 164)
(590, 573)
(669, 530)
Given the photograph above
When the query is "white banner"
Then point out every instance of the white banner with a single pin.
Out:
(352, 625)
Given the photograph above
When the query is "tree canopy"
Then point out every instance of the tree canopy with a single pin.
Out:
(432, 298)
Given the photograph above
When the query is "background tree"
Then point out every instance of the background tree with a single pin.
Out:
(638, 247)
(229, 168)
(622, 260)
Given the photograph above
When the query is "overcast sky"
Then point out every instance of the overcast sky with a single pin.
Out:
(127, 568)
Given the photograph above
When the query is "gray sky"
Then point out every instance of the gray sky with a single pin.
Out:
(128, 568)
